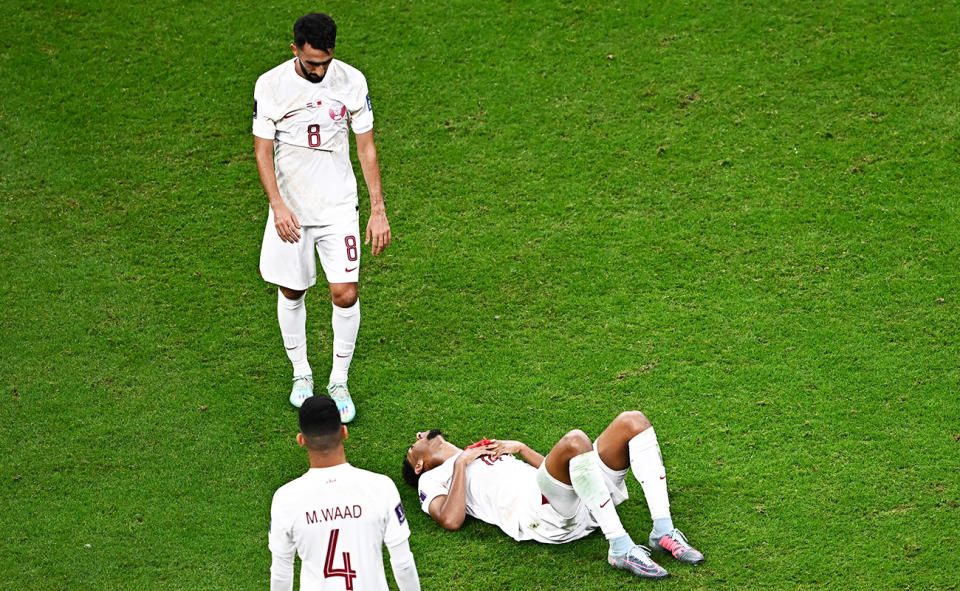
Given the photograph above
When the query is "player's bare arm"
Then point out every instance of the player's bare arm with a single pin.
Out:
(285, 220)
(517, 448)
(378, 228)
(450, 510)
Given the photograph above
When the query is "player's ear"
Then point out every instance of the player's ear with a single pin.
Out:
(293, 48)
(418, 468)
(343, 432)
(301, 440)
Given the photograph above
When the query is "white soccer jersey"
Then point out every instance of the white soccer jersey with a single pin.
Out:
(504, 492)
(338, 519)
(308, 124)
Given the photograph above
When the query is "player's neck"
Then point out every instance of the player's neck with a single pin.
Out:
(327, 459)
(448, 451)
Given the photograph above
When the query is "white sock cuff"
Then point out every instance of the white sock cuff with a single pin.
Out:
(288, 303)
(348, 311)
(643, 441)
(577, 462)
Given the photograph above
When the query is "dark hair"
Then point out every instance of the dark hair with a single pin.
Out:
(317, 29)
(410, 475)
(320, 422)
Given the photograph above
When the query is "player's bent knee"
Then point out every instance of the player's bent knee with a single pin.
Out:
(634, 420)
(577, 442)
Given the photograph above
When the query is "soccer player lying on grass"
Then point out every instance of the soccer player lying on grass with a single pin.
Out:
(556, 499)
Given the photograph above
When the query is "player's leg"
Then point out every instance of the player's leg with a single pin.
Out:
(574, 464)
(630, 440)
(292, 267)
(339, 249)
(346, 324)
(292, 317)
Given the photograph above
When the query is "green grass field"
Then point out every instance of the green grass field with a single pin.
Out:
(740, 219)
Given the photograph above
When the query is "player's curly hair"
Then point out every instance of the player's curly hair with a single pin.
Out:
(410, 475)
(317, 29)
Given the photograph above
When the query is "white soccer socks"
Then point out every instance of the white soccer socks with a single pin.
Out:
(588, 483)
(346, 324)
(292, 316)
(647, 465)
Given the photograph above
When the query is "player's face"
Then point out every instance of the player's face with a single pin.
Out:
(312, 63)
(425, 442)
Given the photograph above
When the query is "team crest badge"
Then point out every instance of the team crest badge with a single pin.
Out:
(401, 516)
(338, 115)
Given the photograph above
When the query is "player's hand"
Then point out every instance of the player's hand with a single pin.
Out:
(378, 230)
(286, 222)
(505, 447)
(472, 453)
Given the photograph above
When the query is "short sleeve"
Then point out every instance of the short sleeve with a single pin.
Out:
(361, 109)
(397, 528)
(432, 485)
(264, 111)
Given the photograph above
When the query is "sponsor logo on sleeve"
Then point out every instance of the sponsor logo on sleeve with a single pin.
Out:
(423, 496)
(254, 108)
(369, 106)
(401, 516)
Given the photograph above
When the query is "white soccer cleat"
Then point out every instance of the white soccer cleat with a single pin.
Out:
(677, 545)
(637, 561)
(341, 396)
(302, 389)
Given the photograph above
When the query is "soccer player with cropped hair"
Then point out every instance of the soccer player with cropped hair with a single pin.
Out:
(303, 111)
(554, 499)
(336, 517)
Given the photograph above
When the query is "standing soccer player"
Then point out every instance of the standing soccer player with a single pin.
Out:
(301, 113)
(337, 517)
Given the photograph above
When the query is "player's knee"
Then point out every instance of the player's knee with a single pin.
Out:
(291, 294)
(577, 442)
(634, 421)
(344, 295)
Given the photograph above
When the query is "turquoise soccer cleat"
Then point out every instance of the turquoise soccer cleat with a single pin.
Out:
(341, 396)
(302, 389)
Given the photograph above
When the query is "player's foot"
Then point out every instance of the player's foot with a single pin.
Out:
(676, 544)
(302, 389)
(637, 561)
(341, 396)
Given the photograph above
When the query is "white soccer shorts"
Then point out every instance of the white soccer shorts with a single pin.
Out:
(294, 265)
(564, 517)
(562, 496)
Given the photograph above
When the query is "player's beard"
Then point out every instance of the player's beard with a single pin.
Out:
(310, 75)
(433, 433)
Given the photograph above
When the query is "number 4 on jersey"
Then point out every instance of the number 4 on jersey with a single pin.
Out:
(329, 571)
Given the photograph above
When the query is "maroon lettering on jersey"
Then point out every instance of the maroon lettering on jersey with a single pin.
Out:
(332, 513)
